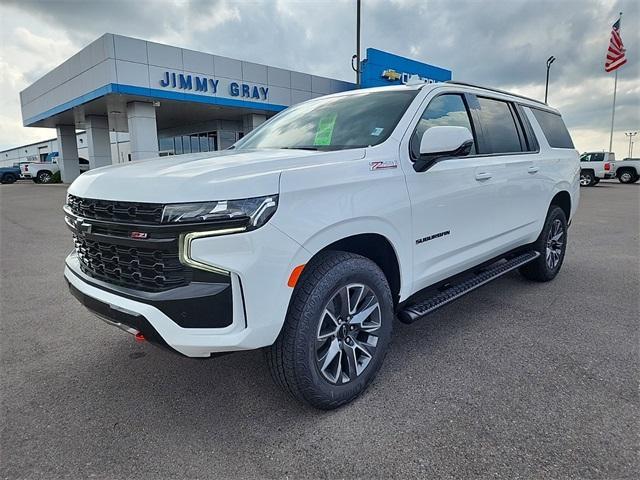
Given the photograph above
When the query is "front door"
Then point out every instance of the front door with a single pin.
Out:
(452, 215)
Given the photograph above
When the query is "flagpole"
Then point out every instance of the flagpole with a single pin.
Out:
(615, 89)
(613, 110)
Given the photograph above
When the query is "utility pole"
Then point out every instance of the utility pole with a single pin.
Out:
(550, 60)
(356, 57)
(631, 135)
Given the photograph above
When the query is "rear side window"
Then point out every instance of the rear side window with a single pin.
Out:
(499, 126)
(554, 129)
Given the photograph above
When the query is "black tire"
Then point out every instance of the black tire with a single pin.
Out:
(627, 176)
(541, 269)
(9, 178)
(44, 176)
(587, 178)
(295, 358)
(596, 181)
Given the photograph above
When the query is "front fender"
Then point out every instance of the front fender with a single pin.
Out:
(365, 225)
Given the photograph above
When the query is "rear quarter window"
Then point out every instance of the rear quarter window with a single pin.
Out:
(553, 128)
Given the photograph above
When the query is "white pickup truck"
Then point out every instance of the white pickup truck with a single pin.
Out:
(628, 170)
(595, 166)
(42, 172)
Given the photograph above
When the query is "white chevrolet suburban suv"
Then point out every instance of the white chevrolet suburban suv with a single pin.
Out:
(311, 234)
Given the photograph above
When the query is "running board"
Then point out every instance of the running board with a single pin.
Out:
(418, 310)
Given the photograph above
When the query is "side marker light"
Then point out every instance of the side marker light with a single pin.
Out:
(295, 275)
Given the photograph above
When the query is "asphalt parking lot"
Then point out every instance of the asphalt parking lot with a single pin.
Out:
(516, 380)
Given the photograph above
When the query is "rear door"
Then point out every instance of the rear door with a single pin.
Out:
(519, 190)
(597, 163)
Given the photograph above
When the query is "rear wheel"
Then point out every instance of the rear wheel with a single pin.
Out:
(9, 178)
(336, 333)
(587, 178)
(627, 176)
(44, 176)
(552, 244)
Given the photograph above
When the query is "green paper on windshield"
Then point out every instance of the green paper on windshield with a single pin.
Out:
(325, 130)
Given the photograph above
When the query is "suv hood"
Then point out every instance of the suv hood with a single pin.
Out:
(225, 175)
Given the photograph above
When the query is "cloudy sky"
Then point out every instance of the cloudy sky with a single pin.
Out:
(501, 43)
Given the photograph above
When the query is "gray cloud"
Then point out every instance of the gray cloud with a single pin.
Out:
(499, 43)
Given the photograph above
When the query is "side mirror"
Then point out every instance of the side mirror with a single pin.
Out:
(439, 143)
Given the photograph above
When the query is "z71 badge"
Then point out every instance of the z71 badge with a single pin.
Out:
(382, 165)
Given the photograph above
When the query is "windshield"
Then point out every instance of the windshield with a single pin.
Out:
(358, 120)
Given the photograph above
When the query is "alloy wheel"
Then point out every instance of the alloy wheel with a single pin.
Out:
(585, 180)
(45, 178)
(555, 244)
(347, 333)
(626, 177)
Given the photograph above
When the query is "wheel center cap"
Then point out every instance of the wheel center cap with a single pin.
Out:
(342, 333)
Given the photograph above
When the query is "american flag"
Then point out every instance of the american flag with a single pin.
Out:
(615, 54)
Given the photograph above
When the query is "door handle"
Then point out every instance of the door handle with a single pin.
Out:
(483, 176)
(533, 169)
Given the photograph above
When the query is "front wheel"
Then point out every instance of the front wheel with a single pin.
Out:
(336, 333)
(587, 179)
(552, 245)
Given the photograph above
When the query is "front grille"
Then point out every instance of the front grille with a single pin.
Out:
(139, 267)
(108, 210)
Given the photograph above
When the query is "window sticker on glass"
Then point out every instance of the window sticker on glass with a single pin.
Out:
(325, 130)
(377, 131)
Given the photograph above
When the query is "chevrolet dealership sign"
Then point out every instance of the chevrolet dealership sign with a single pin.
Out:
(404, 77)
(384, 68)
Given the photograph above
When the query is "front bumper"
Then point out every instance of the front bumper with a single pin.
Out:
(174, 323)
(259, 264)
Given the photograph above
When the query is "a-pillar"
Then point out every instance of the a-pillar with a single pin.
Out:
(98, 141)
(143, 133)
(68, 153)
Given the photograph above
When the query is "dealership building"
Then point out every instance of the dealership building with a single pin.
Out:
(131, 99)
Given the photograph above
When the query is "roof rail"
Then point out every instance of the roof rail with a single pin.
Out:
(455, 82)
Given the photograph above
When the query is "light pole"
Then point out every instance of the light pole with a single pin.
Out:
(630, 135)
(356, 57)
(550, 60)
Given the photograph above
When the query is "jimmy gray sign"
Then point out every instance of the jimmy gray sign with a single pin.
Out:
(210, 85)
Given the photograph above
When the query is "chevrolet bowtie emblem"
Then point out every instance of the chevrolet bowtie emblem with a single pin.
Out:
(83, 227)
(391, 75)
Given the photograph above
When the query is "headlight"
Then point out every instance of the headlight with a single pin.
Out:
(256, 211)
